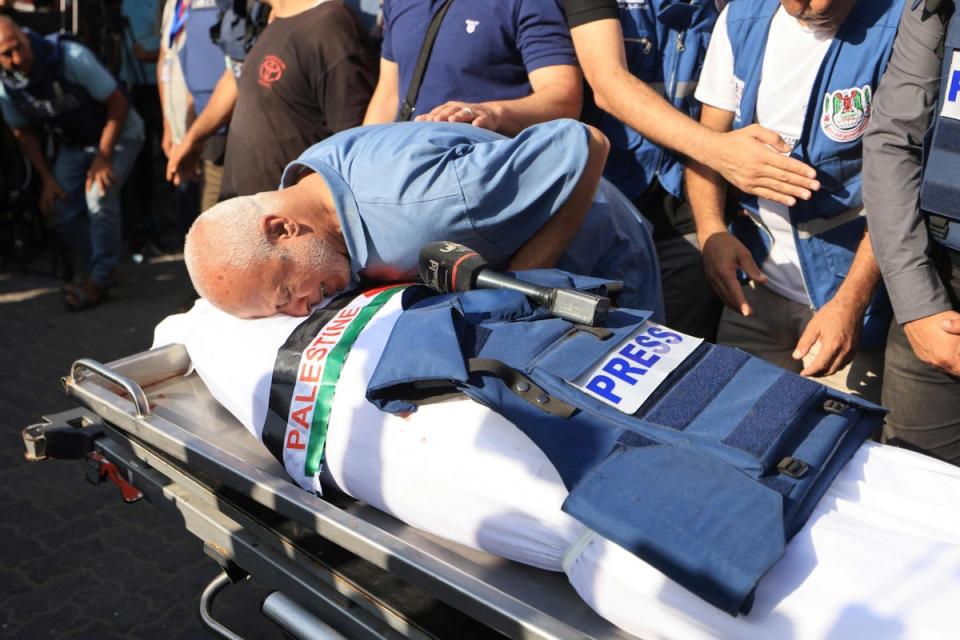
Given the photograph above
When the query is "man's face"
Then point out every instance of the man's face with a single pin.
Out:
(15, 53)
(819, 14)
(291, 283)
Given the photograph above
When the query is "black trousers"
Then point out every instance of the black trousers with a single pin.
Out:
(924, 402)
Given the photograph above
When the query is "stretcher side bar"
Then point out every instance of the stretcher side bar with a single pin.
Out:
(134, 451)
(291, 572)
(441, 571)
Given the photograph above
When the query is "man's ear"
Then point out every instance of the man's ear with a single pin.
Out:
(278, 227)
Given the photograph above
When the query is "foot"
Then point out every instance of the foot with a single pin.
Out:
(84, 296)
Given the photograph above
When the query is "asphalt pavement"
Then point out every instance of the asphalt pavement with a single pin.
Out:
(75, 561)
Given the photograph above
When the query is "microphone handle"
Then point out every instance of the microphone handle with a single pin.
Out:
(490, 279)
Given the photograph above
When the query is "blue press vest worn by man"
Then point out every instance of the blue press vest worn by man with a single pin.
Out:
(665, 43)
(201, 60)
(940, 189)
(828, 227)
(49, 97)
(720, 465)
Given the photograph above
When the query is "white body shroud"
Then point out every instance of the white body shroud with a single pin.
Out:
(879, 557)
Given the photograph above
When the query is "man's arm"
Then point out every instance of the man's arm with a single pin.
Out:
(556, 93)
(749, 158)
(100, 171)
(386, 96)
(546, 246)
(892, 168)
(29, 143)
(722, 253)
(184, 161)
(837, 325)
(166, 137)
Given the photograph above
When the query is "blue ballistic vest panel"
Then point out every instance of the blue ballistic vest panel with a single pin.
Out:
(201, 60)
(236, 31)
(837, 114)
(940, 189)
(75, 117)
(665, 44)
(707, 481)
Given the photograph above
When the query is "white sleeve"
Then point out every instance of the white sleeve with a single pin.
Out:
(717, 86)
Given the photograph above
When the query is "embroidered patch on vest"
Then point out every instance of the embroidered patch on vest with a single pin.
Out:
(846, 113)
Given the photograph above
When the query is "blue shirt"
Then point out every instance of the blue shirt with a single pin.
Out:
(143, 27)
(81, 67)
(483, 51)
(397, 187)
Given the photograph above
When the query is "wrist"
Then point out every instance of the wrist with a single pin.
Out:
(706, 230)
(706, 146)
(857, 301)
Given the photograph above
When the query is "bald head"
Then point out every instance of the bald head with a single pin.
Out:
(15, 53)
(227, 237)
(249, 259)
(7, 25)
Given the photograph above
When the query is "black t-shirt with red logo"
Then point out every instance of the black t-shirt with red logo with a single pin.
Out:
(307, 77)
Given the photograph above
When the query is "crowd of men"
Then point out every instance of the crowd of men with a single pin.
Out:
(800, 208)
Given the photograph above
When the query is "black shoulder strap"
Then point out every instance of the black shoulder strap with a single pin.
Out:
(406, 109)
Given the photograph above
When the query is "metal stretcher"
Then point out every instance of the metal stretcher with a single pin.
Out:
(340, 568)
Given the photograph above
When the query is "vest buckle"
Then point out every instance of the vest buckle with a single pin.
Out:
(838, 407)
(792, 467)
(938, 226)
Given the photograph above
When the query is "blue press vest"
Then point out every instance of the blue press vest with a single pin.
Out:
(201, 60)
(76, 118)
(825, 231)
(665, 43)
(940, 189)
(707, 481)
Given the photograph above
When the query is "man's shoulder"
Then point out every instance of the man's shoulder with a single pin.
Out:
(78, 57)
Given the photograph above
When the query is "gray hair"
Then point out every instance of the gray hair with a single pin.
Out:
(228, 235)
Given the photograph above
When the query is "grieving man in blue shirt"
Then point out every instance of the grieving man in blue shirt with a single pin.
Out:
(359, 205)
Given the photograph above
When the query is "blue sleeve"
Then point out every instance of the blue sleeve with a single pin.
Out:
(400, 186)
(543, 37)
(386, 47)
(82, 67)
(512, 186)
(11, 114)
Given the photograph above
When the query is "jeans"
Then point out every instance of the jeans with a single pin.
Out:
(89, 221)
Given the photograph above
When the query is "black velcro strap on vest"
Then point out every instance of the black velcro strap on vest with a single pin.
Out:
(410, 101)
(773, 413)
(522, 386)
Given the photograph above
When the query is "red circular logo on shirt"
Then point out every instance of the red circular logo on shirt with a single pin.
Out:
(271, 70)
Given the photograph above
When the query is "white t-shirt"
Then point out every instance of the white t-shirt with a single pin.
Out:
(791, 61)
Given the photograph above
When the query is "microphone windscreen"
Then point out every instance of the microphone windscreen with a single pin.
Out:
(448, 266)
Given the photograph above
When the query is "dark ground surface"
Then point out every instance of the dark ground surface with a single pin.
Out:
(75, 561)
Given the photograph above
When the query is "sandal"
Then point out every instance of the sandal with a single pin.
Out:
(83, 296)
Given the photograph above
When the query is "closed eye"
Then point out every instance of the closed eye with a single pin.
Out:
(284, 297)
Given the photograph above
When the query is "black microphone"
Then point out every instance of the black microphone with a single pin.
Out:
(448, 266)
